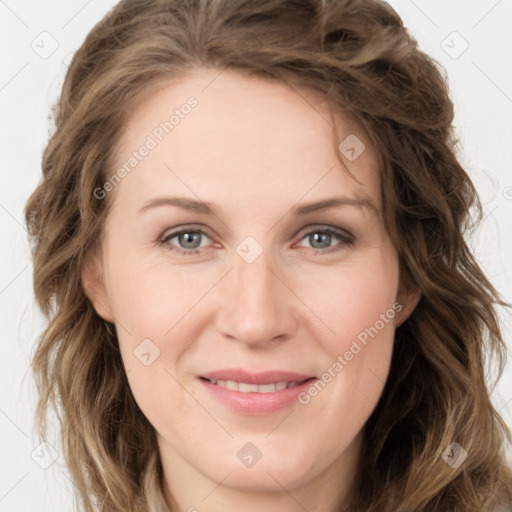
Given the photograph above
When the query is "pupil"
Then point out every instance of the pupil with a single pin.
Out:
(326, 238)
(189, 238)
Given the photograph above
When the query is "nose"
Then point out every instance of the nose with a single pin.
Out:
(257, 306)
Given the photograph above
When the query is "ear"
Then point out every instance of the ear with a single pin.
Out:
(408, 297)
(94, 284)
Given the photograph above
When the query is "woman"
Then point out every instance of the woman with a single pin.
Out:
(249, 245)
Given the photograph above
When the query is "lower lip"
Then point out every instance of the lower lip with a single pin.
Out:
(254, 403)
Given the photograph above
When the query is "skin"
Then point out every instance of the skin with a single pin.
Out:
(255, 149)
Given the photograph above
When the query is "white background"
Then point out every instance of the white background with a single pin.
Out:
(480, 79)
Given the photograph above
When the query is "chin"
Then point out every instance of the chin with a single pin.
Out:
(273, 471)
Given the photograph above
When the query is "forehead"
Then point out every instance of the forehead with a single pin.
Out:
(252, 135)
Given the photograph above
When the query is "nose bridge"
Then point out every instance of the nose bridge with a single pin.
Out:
(256, 307)
(254, 283)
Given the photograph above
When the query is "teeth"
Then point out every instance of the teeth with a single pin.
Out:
(246, 388)
(281, 385)
(231, 384)
(254, 388)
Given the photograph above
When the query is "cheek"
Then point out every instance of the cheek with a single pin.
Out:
(157, 308)
(152, 308)
(150, 298)
(357, 308)
(351, 300)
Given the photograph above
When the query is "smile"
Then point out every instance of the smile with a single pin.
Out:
(254, 393)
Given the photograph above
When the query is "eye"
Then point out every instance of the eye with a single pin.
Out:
(188, 241)
(321, 238)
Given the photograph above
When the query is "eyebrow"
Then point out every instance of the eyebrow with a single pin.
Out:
(206, 208)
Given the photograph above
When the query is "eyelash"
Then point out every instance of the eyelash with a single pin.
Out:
(345, 238)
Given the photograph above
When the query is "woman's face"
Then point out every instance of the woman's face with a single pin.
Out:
(273, 291)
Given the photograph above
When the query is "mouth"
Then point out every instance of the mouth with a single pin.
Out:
(255, 394)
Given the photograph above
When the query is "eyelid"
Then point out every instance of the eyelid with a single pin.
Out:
(324, 227)
(172, 232)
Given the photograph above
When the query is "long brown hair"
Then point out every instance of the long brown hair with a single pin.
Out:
(357, 53)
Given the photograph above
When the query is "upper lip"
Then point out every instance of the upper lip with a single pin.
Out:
(267, 377)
